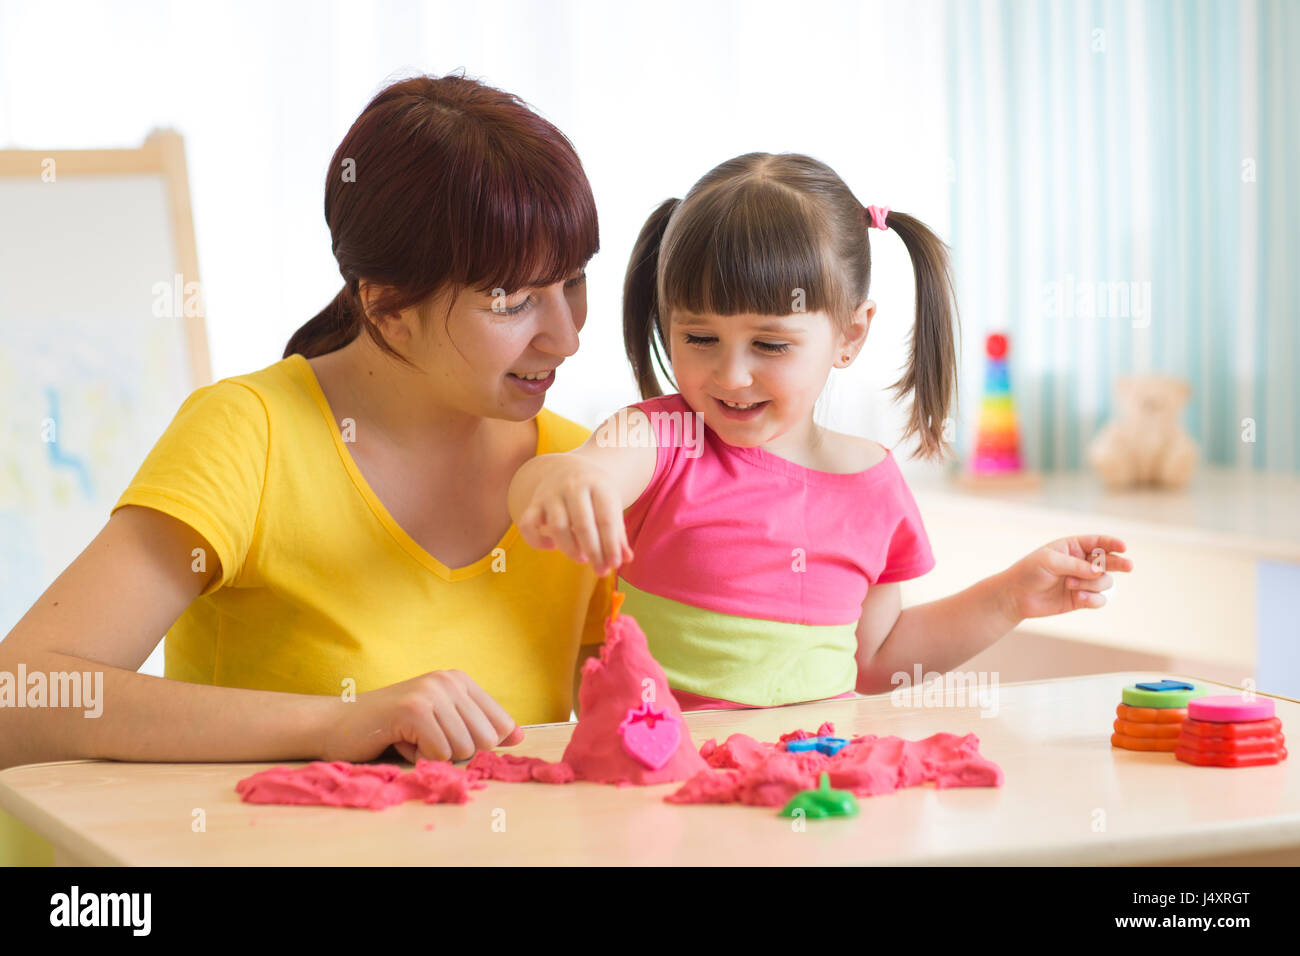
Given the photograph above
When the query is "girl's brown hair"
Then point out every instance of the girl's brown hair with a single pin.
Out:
(447, 182)
(765, 233)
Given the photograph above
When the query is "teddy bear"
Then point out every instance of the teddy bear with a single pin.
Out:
(1146, 443)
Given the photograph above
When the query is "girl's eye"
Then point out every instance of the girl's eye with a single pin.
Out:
(771, 348)
(576, 281)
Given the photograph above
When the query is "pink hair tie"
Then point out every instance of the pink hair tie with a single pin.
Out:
(878, 214)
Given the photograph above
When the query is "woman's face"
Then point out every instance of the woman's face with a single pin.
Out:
(494, 356)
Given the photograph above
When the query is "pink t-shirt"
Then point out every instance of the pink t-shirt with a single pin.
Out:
(722, 528)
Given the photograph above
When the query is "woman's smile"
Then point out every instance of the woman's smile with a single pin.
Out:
(532, 383)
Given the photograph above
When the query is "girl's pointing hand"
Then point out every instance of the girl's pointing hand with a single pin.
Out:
(1064, 576)
(576, 508)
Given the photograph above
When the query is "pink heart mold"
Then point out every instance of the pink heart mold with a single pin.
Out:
(650, 736)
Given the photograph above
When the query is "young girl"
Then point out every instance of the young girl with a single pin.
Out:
(761, 552)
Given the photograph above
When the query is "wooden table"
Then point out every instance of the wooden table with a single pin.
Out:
(1068, 798)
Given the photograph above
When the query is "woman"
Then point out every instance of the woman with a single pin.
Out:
(326, 541)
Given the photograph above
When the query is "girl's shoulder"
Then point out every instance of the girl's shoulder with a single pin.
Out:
(665, 421)
(858, 454)
(843, 454)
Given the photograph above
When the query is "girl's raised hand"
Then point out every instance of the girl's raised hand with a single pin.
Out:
(576, 508)
(441, 715)
(1062, 576)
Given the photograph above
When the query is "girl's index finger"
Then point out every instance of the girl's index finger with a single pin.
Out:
(1092, 541)
(1063, 564)
(1116, 562)
(1109, 549)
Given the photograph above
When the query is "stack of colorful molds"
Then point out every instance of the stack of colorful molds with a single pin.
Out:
(1231, 731)
(1152, 714)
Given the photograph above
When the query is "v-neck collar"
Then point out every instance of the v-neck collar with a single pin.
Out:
(308, 376)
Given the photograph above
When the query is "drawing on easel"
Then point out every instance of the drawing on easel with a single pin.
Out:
(101, 339)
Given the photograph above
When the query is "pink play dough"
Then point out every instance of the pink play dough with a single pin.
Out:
(743, 770)
(370, 786)
(740, 770)
(612, 685)
(509, 768)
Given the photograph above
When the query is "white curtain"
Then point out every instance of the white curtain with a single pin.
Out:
(1125, 200)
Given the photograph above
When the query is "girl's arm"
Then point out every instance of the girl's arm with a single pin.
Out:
(943, 634)
(575, 501)
(939, 635)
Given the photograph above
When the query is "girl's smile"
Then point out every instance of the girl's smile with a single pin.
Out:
(741, 412)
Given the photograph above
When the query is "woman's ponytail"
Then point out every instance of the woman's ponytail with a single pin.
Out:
(332, 328)
(931, 375)
(643, 337)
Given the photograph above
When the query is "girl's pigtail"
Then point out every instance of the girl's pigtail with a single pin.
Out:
(642, 335)
(931, 375)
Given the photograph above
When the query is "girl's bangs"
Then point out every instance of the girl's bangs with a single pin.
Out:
(755, 253)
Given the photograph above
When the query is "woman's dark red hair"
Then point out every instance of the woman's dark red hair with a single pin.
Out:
(445, 182)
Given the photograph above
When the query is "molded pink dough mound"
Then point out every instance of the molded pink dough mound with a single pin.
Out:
(371, 786)
(611, 686)
(743, 770)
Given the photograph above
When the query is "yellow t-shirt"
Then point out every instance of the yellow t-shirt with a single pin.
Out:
(320, 585)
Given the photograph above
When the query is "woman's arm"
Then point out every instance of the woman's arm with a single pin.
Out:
(104, 614)
(575, 501)
(112, 605)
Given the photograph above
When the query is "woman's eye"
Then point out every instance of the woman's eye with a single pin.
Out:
(773, 347)
(516, 309)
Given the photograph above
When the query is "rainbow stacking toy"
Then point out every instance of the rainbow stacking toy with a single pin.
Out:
(997, 439)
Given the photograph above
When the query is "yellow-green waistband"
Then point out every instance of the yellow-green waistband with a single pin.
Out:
(744, 659)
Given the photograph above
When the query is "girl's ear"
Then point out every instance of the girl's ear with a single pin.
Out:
(855, 336)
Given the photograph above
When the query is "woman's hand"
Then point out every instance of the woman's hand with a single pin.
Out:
(576, 507)
(442, 715)
(1063, 576)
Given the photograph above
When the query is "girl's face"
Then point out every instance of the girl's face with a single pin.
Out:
(755, 377)
(495, 356)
